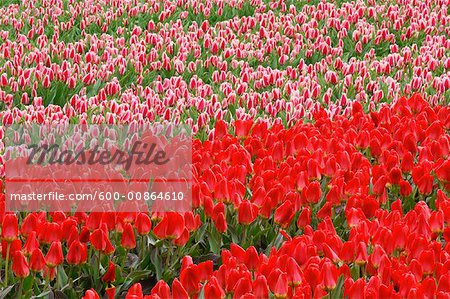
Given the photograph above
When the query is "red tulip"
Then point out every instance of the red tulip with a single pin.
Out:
(294, 273)
(429, 287)
(407, 162)
(329, 275)
(252, 260)
(49, 232)
(357, 289)
(205, 270)
(427, 261)
(242, 128)
(143, 224)
(242, 287)
(110, 274)
(395, 176)
(330, 253)
(247, 212)
(37, 261)
(443, 172)
(170, 227)
(54, 255)
(13, 247)
(178, 290)
(186, 261)
(162, 289)
(128, 240)
(361, 254)
(213, 289)
(436, 221)
(183, 239)
(376, 256)
(30, 244)
(67, 228)
(73, 235)
(93, 221)
(84, 235)
(77, 253)
(19, 265)
(284, 214)
(423, 179)
(444, 283)
(260, 287)
(10, 228)
(238, 253)
(278, 283)
(49, 272)
(29, 224)
(91, 294)
(221, 223)
(313, 192)
(110, 292)
(192, 222)
(221, 129)
(190, 279)
(100, 240)
(135, 292)
(405, 188)
(304, 218)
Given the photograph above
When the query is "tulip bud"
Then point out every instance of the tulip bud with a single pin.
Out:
(128, 240)
(19, 265)
(77, 253)
(91, 294)
(110, 274)
(247, 212)
(10, 228)
(143, 224)
(37, 261)
(54, 255)
(220, 223)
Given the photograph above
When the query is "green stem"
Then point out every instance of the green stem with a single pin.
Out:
(177, 253)
(244, 236)
(362, 271)
(141, 254)
(47, 281)
(57, 278)
(169, 253)
(90, 255)
(8, 247)
(19, 293)
(33, 279)
(99, 261)
(79, 274)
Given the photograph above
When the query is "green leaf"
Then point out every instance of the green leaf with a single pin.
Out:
(155, 258)
(62, 276)
(201, 295)
(133, 278)
(338, 292)
(215, 241)
(234, 235)
(201, 232)
(57, 294)
(6, 291)
(27, 283)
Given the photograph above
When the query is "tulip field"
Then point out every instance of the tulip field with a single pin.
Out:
(320, 146)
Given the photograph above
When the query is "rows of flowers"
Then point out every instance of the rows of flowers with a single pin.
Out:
(345, 206)
(195, 62)
(320, 149)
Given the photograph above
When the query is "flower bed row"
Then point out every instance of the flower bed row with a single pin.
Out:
(344, 205)
(187, 61)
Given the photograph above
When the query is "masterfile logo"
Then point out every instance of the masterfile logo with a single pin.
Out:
(98, 168)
